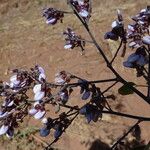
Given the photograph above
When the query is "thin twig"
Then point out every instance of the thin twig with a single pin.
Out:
(120, 139)
(78, 84)
(55, 140)
(148, 89)
(110, 87)
(116, 52)
(126, 115)
(112, 113)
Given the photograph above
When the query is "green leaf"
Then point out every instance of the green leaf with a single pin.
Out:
(126, 89)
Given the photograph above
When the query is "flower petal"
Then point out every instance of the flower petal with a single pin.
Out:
(127, 64)
(41, 70)
(44, 121)
(142, 61)
(23, 84)
(36, 103)
(143, 10)
(59, 80)
(89, 117)
(10, 133)
(14, 80)
(51, 21)
(83, 13)
(39, 95)
(33, 111)
(11, 85)
(114, 24)
(42, 76)
(67, 46)
(83, 110)
(132, 44)
(141, 22)
(10, 103)
(146, 40)
(39, 115)
(3, 129)
(130, 27)
(3, 114)
(64, 97)
(133, 57)
(44, 132)
(81, 3)
(37, 88)
(57, 133)
(86, 95)
(111, 35)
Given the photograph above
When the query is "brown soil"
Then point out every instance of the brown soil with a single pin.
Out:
(25, 40)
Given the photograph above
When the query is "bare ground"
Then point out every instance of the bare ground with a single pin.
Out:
(25, 40)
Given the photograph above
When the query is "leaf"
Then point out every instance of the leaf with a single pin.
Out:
(142, 147)
(147, 146)
(125, 89)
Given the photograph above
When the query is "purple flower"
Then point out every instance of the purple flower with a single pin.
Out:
(146, 40)
(52, 15)
(39, 92)
(73, 40)
(139, 58)
(38, 111)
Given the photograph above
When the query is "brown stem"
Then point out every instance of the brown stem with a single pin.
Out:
(121, 138)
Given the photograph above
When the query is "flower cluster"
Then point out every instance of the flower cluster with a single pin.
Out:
(19, 80)
(62, 77)
(82, 7)
(38, 111)
(73, 40)
(137, 35)
(15, 105)
(13, 92)
(13, 110)
(91, 112)
(11, 123)
(117, 29)
(58, 125)
(138, 32)
(52, 15)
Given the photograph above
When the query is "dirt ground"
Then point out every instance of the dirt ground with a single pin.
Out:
(26, 40)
